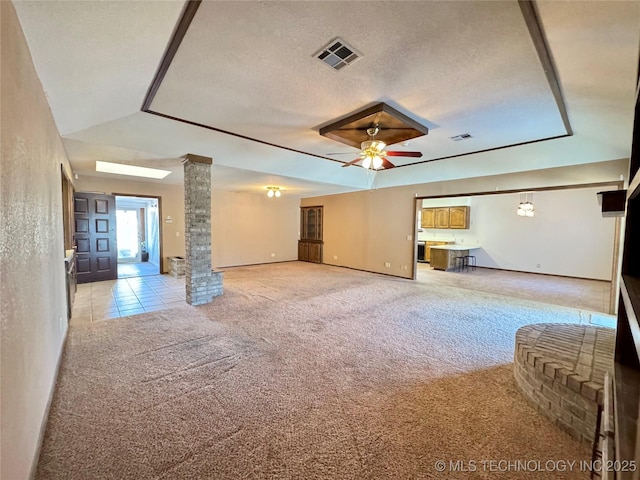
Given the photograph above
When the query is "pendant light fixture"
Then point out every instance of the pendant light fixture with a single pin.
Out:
(525, 209)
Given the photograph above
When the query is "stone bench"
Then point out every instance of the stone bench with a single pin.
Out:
(560, 370)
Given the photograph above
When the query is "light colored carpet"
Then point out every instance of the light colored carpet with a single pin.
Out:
(303, 371)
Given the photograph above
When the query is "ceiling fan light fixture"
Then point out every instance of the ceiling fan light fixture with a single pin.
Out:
(373, 154)
(373, 145)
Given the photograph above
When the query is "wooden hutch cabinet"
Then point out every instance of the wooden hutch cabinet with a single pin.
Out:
(310, 244)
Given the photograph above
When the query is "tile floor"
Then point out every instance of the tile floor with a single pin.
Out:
(140, 269)
(126, 296)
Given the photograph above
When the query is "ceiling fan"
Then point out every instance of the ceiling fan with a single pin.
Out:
(373, 154)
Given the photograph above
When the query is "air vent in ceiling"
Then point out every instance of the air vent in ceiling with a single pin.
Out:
(338, 54)
(462, 136)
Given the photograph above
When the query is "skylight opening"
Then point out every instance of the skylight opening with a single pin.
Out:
(132, 170)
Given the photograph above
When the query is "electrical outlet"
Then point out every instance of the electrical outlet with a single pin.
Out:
(273, 255)
(387, 264)
(537, 265)
(409, 237)
(177, 234)
(335, 257)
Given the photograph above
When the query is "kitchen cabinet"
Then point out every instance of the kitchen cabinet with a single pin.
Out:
(445, 217)
(446, 259)
(427, 248)
(443, 257)
(310, 244)
(458, 217)
(442, 217)
(427, 219)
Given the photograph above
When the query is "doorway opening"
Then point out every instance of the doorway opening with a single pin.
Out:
(138, 236)
(511, 245)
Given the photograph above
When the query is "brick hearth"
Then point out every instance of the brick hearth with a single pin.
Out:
(560, 369)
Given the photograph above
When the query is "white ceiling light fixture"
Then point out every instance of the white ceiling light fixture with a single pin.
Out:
(372, 152)
(133, 170)
(273, 192)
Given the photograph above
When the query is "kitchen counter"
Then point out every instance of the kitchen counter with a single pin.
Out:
(457, 246)
(443, 257)
(437, 239)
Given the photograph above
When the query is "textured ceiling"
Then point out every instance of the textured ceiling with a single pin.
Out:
(270, 87)
(247, 68)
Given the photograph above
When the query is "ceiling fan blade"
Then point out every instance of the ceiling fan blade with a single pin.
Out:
(340, 153)
(387, 164)
(404, 154)
(351, 162)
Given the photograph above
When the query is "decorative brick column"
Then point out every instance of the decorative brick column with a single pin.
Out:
(202, 283)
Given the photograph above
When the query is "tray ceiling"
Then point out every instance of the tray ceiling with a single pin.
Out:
(245, 83)
(271, 88)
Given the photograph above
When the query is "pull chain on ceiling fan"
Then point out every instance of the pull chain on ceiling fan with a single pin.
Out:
(373, 154)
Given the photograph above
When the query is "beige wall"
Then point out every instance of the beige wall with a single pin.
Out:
(365, 230)
(249, 228)
(32, 291)
(246, 228)
(172, 205)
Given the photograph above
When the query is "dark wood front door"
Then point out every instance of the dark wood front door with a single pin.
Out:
(95, 237)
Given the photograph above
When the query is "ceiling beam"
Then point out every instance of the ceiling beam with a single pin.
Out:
(532, 19)
(186, 17)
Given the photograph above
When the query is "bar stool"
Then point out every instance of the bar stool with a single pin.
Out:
(470, 261)
(460, 262)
